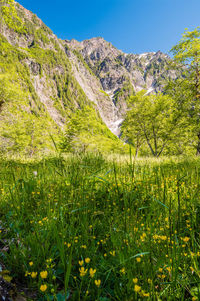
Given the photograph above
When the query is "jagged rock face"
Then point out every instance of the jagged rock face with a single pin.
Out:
(114, 68)
(122, 74)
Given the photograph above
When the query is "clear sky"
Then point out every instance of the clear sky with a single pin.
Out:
(134, 26)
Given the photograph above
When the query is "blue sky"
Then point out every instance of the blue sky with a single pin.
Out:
(134, 26)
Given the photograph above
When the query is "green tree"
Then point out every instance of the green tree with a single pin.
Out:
(151, 119)
(186, 90)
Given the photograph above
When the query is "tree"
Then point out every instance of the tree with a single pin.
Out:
(152, 119)
(187, 90)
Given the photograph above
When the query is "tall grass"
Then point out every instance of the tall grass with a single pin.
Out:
(102, 228)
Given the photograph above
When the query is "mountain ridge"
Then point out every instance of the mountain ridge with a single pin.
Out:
(57, 78)
(122, 74)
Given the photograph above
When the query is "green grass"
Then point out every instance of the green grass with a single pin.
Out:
(137, 222)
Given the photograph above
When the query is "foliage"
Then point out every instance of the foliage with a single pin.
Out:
(86, 131)
(81, 59)
(187, 53)
(124, 93)
(21, 130)
(152, 119)
(104, 93)
(10, 16)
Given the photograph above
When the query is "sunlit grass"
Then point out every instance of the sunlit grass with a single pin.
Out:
(95, 228)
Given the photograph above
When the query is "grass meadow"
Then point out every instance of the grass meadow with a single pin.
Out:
(94, 228)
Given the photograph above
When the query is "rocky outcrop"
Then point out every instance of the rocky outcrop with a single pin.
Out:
(118, 74)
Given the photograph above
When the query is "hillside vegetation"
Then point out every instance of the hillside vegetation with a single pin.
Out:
(39, 94)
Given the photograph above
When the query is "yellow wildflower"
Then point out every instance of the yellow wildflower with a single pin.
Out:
(97, 282)
(34, 274)
(81, 262)
(83, 272)
(169, 269)
(138, 259)
(137, 288)
(43, 274)
(92, 272)
(192, 269)
(186, 239)
(31, 263)
(43, 287)
(135, 280)
(87, 260)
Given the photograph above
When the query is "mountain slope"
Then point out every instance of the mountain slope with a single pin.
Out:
(34, 64)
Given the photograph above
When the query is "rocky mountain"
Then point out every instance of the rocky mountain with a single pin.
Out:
(48, 85)
(122, 74)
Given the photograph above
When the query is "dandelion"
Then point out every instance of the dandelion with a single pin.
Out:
(97, 282)
(43, 287)
(87, 260)
(34, 275)
(137, 288)
(92, 272)
(43, 274)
